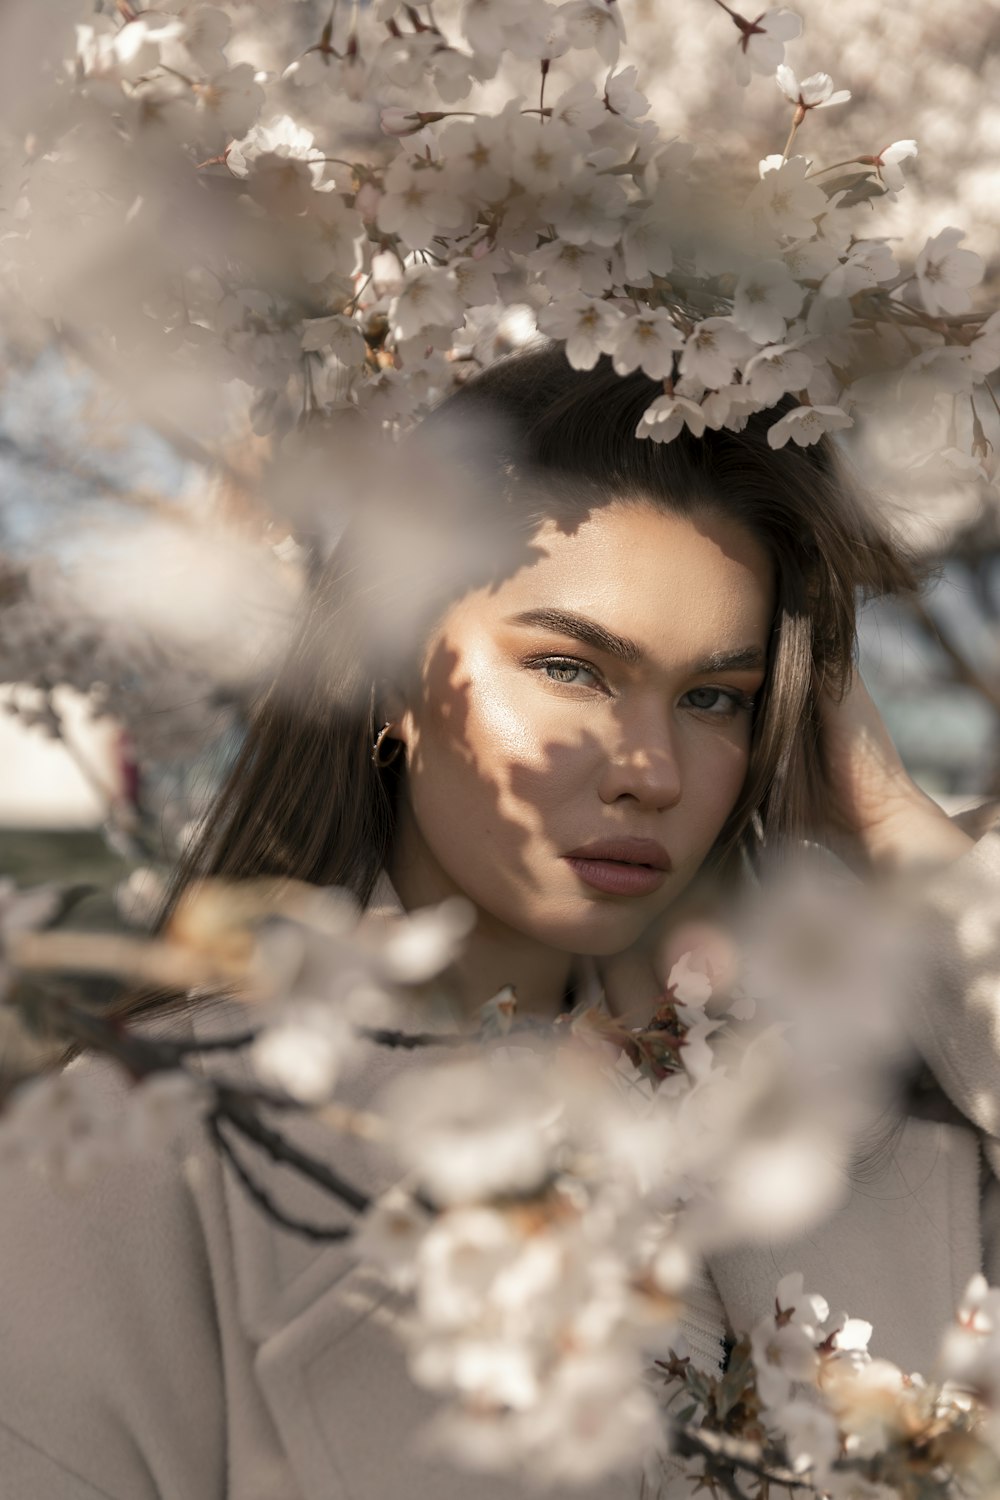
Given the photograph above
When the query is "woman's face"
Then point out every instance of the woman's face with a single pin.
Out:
(601, 693)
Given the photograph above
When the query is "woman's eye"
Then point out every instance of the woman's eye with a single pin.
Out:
(722, 701)
(565, 670)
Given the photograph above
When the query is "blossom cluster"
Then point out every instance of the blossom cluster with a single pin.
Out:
(235, 219)
(554, 1188)
(518, 186)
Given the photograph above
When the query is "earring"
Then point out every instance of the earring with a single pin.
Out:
(378, 759)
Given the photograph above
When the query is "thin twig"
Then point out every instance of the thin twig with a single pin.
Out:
(232, 1106)
(264, 1199)
(689, 1441)
(216, 1044)
(384, 1036)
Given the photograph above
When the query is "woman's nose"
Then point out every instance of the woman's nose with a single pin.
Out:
(643, 766)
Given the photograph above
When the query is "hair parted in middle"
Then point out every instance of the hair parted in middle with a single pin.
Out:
(538, 439)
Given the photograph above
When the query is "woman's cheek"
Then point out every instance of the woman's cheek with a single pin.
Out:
(717, 774)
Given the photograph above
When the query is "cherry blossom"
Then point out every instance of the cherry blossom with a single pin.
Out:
(766, 296)
(478, 154)
(783, 1354)
(588, 209)
(868, 263)
(563, 268)
(589, 327)
(785, 202)
(418, 202)
(647, 341)
(646, 246)
(667, 416)
(622, 95)
(814, 92)
(777, 370)
(544, 153)
(945, 273)
(807, 424)
(730, 406)
(811, 1435)
(595, 23)
(713, 350)
(888, 163)
(984, 351)
(428, 298)
(472, 1131)
(762, 41)
(303, 1053)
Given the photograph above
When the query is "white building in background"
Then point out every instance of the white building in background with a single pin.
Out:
(42, 782)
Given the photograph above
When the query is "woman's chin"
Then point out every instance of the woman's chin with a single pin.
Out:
(600, 931)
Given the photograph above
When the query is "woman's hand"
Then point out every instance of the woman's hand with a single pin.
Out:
(874, 801)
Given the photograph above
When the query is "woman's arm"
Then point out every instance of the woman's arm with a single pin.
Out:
(875, 803)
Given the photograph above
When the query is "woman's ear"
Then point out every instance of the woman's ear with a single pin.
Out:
(391, 707)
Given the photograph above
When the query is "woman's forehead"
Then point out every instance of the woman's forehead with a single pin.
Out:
(646, 575)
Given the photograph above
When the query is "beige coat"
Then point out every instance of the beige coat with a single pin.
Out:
(161, 1339)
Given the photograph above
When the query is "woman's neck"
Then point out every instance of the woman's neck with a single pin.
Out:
(494, 955)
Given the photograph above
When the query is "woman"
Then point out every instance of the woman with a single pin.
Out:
(635, 695)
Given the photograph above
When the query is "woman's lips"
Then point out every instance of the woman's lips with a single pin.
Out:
(615, 878)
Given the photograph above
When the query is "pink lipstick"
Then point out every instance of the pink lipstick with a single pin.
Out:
(621, 867)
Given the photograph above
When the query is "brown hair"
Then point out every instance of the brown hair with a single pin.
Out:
(304, 800)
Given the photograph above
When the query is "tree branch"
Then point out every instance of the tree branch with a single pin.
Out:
(264, 1200)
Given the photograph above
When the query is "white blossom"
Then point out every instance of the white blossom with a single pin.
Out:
(622, 94)
(713, 351)
(427, 941)
(390, 1236)
(783, 1355)
(595, 23)
(784, 201)
(596, 1418)
(945, 273)
(808, 1310)
(589, 327)
(543, 153)
(810, 1434)
(814, 92)
(280, 137)
(340, 334)
(580, 106)
(478, 153)
(667, 416)
(867, 263)
(776, 370)
(646, 246)
(303, 1052)
(428, 298)
(588, 209)
(647, 341)
(472, 1130)
(562, 268)
(766, 297)
(488, 24)
(984, 351)
(807, 424)
(888, 163)
(730, 406)
(762, 42)
(418, 202)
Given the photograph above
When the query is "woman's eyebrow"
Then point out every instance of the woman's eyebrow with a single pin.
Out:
(582, 628)
(565, 622)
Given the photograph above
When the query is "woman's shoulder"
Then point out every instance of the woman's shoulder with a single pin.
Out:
(106, 1303)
